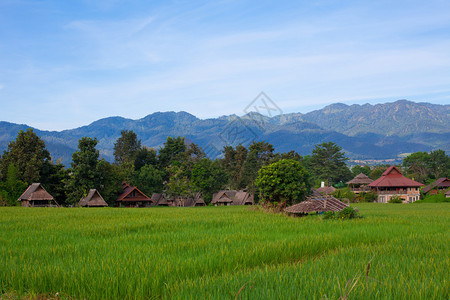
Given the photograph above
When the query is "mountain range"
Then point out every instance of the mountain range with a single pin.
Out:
(381, 131)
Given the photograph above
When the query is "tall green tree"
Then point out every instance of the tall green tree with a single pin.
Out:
(356, 170)
(327, 163)
(126, 147)
(84, 172)
(417, 165)
(439, 164)
(208, 177)
(145, 156)
(149, 179)
(28, 154)
(283, 181)
(233, 164)
(172, 151)
(178, 184)
(12, 188)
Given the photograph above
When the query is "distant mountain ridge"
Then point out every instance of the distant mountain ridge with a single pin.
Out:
(366, 131)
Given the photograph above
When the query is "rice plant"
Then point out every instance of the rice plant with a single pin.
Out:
(224, 253)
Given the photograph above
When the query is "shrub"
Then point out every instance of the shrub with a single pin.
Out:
(344, 193)
(345, 214)
(439, 198)
(395, 199)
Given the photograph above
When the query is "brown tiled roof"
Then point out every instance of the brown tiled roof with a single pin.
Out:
(326, 190)
(392, 177)
(35, 192)
(360, 179)
(440, 183)
(93, 199)
(317, 204)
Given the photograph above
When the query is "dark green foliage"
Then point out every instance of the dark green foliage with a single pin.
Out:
(149, 179)
(344, 214)
(179, 184)
(126, 147)
(438, 198)
(344, 194)
(84, 172)
(110, 181)
(12, 188)
(327, 163)
(28, 154)
(283, 181)
(145, 156)
(53, 177)
(367, 197)
(208, 177)
(233, 163)
(426, 167)
(356, 170)
(395, 199)
(172, 151)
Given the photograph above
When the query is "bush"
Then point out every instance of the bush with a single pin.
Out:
(345, 214)
(395, 199)
(344, 193)
(439, 198)
(367, 197)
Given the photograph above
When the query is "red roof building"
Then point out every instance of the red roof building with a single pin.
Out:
(393, 183)
(133, 197)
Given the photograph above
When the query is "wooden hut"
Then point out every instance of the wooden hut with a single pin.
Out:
(447, 194)
(159, 199)
(393, 183)
(359, 183)
(36, 196)
(232, 197)
(440, 185)
(133, 197)
(93, 199)
(223, 198)
(316, 204)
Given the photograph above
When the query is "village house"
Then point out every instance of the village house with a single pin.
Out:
(231, 197)
(359, 184)
(93, 199)
(159, 199)
(393, 183)
(133, 197)
(179, 201)
(36, 196)
(440, 185)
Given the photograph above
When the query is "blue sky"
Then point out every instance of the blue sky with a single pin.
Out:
(64, 64)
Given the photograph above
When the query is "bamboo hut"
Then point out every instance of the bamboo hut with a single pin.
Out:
(36, 196)
(93, 199)
(133, 197)
(359, 183)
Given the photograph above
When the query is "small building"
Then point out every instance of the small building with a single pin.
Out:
(36, 196)
(359, 184)
(133, 197)
(159, 199)
(393, 183)
(447, 194)
(440, 185)
(93, 199)
(316, 204)
(197, 200)
(232, 197)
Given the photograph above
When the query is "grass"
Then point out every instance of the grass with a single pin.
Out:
(224, 253)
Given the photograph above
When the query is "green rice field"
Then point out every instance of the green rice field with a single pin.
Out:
(224, 253)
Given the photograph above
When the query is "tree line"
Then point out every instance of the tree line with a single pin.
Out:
(180, 168)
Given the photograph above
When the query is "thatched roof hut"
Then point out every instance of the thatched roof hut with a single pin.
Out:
(36, 196)
(159, 199)
(93, 199)
(360, 179)
(232, 197)
(316, 204)
(326, 190)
